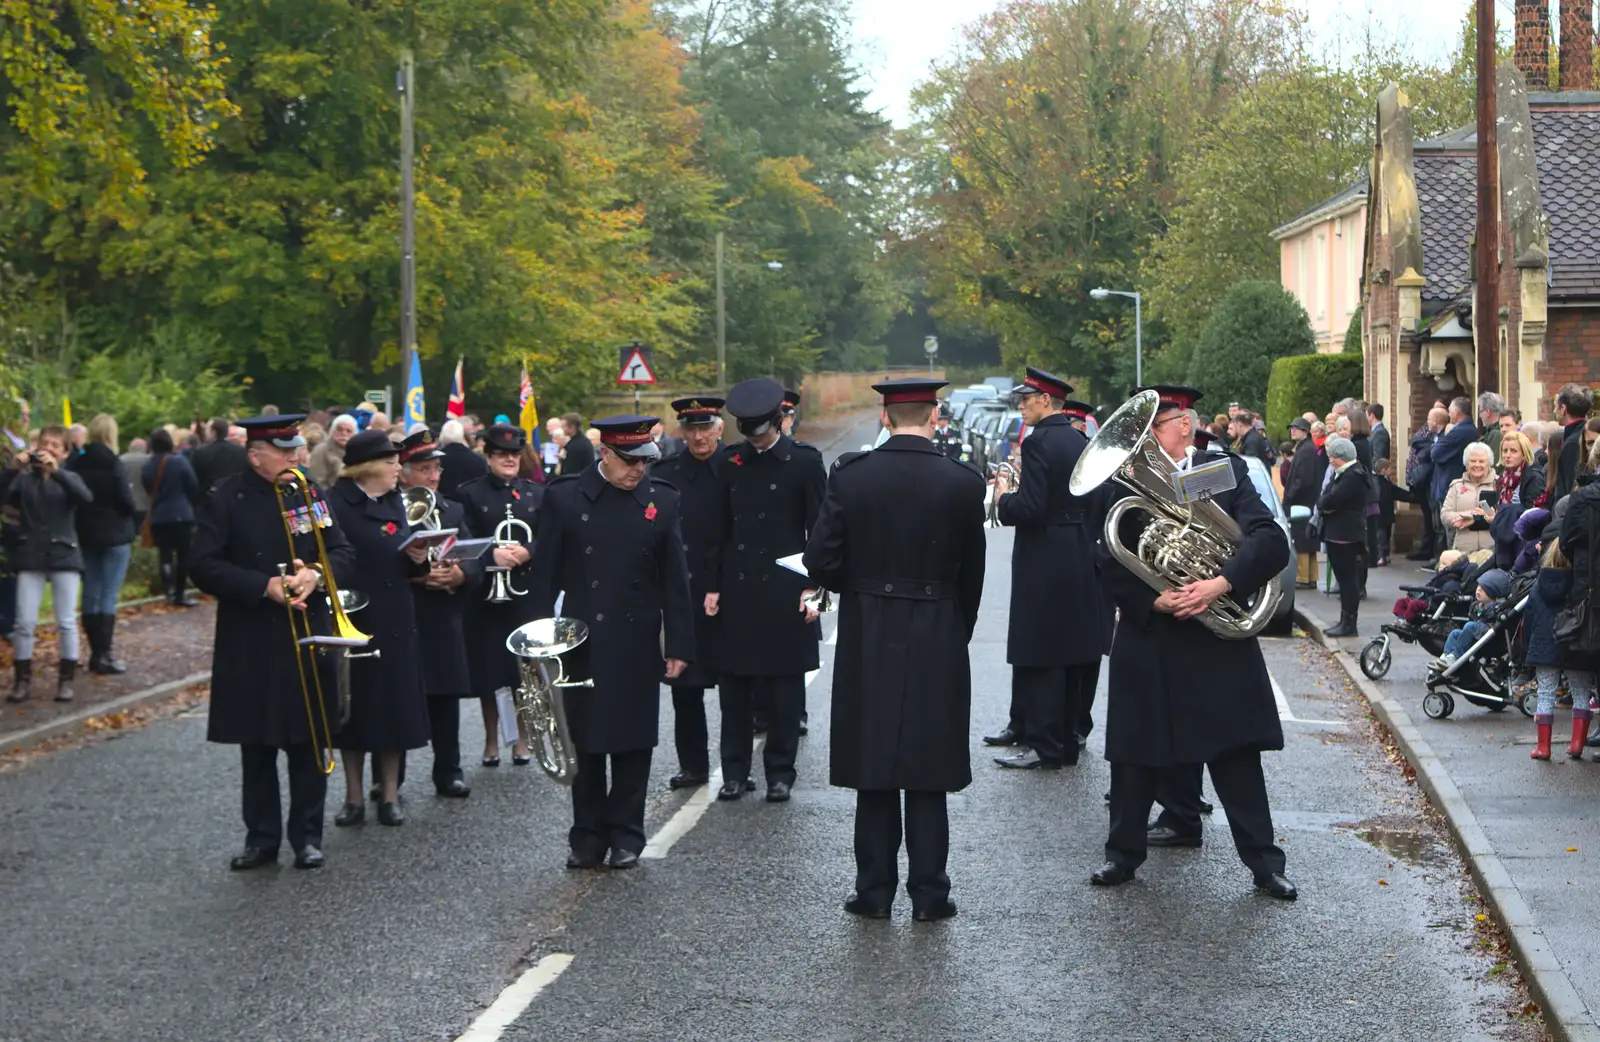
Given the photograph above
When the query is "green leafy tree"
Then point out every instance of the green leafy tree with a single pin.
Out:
(1257, 323)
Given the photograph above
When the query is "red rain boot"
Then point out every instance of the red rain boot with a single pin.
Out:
(1580, 733)
(1544, 724)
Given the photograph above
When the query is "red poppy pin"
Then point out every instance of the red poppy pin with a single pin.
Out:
(650, 512)
(390, 528)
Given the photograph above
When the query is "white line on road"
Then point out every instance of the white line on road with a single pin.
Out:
(516, 998)
(1285, 713)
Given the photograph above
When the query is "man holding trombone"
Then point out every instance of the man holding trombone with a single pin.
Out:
(261, 551)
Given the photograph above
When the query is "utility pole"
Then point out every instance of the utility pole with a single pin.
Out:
(722, 325)
(1486, 309)
(404, 83)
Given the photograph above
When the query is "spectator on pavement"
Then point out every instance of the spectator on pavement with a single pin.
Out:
(328, 458)
(1469, 502)
(173, 490)
(218, 458)
(106, 530)
(460, 463)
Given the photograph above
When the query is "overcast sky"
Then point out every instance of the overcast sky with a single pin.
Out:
(897, 40)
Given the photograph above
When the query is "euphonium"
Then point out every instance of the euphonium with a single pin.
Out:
(540, 700)
(1183, 542)
(505, 534)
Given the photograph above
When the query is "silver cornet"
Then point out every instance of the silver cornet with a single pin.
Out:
(505, 534)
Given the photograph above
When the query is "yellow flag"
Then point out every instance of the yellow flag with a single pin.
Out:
(66, 412)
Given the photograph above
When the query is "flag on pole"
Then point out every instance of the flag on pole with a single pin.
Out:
(416, 411)
(457, 406)
(66, 412)
(529, 421)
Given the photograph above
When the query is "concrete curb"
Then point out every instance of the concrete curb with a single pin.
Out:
(43, 732)
(1566, 1015)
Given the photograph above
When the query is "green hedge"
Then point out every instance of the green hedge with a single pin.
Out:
(1309, 383)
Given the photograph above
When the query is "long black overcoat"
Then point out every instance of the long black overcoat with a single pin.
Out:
(619, 557)
(441, 615)
(484, 501)
(388, 707)
(1178, 693)
(900, 537)
(239, 541)
(769, 504)
(699, 485)
(1057, 616)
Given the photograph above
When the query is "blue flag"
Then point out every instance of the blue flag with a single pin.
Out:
(416, 411)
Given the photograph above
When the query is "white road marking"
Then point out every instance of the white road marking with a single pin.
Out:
(516, 999)
(1285, 713)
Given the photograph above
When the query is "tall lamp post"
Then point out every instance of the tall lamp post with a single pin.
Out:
(1138, 328)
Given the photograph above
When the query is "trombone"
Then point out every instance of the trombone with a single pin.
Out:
(344, 635)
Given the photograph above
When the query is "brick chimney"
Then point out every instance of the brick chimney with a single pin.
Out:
(1532, 50)
(1577, 45)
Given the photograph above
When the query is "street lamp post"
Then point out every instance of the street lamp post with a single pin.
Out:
(1138, 328)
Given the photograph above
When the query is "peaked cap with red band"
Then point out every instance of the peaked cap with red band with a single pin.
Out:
(419, 445)
(1173, 396)
(698, 412)
(629, 436)
(910, 390)
(282, 431)
(1040, 382)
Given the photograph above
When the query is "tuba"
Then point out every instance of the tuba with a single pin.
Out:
(1184, 542)
(505, 534)
(540, 699)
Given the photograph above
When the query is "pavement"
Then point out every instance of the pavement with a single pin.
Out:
(121, 920)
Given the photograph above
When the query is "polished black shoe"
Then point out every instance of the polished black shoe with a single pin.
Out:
(309, 857)
(732, 790)
(686, 781)
(622, 859)
(1027, 760)
(253, 857)
(778, 792)
(576, 860)
(1162, 836)
(858, 905)
(1111, 874)
(351, 814)
(454, 789)
(1007, 737)
(944, 908)
(391, 814)
(1274, 884)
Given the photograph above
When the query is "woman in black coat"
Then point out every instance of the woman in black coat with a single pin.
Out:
(105, 532)
(1343, 509)
(173, 489)
(388, 705)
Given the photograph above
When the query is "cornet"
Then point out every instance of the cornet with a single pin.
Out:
(505, 534)
(540, 701)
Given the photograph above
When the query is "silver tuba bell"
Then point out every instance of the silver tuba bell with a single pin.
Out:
(1184, 542)
(540, 700)
(505, 534)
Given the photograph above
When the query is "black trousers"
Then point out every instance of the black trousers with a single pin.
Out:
(927, 838)
(609, 817)
(785, 698)
(1178, 792)
(1240, 787)
(1345, 560)
(263, 814)
(689, 735)
(1053, 698)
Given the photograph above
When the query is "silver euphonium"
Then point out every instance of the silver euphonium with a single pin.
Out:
(1183, 542)
(540, 698)
(505, 534)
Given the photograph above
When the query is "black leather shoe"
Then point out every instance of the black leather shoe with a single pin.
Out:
(351, 814)
(1027, 760)
(1274, 884)
(621, 859)
(778, 792)
(390, 814)
(686, 781)
(576, 860)
(309, 857)
(454, 789)
(253, 857)
(944, 908)
(1111, 874)
(858, 905)
(1006, 737)
(1161, 836)
(731, 790)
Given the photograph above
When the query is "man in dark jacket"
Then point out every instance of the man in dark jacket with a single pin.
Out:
(609, 538)
(266, 693)
(900, 536)
(1572, 411)
(218, 458)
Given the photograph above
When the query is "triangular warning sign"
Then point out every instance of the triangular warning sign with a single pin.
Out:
(636, 369)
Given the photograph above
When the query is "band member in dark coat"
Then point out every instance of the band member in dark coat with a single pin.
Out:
(1058, 618)
(257, 699)
(488, 623)
(609, 537)
(1179, 694)
(388, 707)
(441, 598)
(695, 473)
(900, 537)
(772, 489)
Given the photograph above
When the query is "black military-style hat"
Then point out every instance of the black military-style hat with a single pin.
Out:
(629, 436)
(1173, 396)
(419, 445)
(698, 412)
(1040, 382)
(282, 431)
(368, 446)
(503, 437)
(1078, 410)
(910, 390)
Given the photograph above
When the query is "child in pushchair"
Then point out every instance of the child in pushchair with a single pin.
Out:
(1480, 659)
(1427, 614)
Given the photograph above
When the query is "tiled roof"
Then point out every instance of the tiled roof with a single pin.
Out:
(1567, 153)
(1447, 198)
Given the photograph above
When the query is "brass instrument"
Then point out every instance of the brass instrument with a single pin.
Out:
(819, 600)
(306, 643)
(1008, 474)
(505, 534)
(1184, 542)
(540, 702)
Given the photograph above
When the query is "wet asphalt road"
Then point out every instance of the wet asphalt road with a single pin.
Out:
(121, 921)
